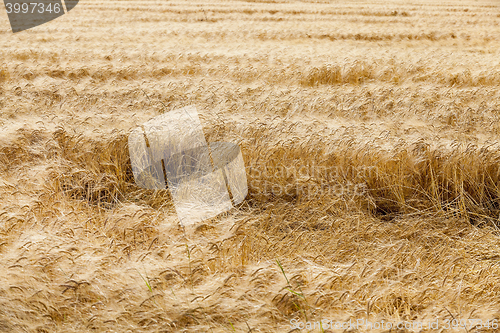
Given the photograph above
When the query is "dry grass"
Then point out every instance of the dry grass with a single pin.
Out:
(369, 131)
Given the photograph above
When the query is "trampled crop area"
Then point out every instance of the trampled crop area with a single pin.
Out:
(370, 132)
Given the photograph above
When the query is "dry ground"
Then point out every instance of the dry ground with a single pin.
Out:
(369, 130)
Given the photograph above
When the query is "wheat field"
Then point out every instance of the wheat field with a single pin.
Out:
(370, 134)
